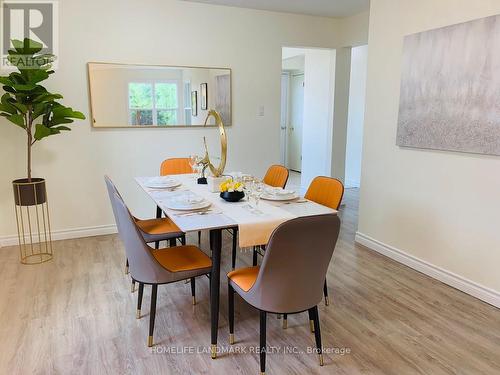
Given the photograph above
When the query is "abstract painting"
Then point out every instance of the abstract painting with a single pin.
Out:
(450, 88)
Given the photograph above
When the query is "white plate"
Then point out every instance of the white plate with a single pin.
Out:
(162, 183)
(280, 197)
(186, 203)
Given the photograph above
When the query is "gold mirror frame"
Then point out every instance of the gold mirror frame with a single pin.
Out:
(217, 172)
(93, 100)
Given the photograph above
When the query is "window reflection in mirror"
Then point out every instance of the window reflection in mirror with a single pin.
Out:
(151, 96)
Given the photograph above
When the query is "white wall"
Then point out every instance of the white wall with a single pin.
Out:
(435, 210)
(340, 111)
(155, 32)
(319, 71)
(356, 115)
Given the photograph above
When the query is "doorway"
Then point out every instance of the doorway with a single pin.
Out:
(306, 111)
(292, 108)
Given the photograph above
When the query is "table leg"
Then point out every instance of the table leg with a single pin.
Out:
(216, 246)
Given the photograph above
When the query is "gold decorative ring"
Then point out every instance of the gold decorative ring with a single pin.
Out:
(217, 172)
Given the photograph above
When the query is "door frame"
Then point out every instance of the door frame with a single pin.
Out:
(284, 123)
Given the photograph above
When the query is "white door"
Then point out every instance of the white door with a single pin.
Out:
(285, 79)
(296, 119)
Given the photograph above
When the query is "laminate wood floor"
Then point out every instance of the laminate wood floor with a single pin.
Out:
(76, 315)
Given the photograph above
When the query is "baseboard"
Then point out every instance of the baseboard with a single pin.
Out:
(66, 234)
(467, 286)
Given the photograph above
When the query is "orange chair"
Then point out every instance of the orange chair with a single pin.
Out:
(277, 176)
(174, 166)
(152, 230)
(328, 192)
(156, 267)
(289, 279)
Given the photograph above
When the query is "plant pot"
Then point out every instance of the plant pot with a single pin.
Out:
(233, 196)
(29, 193)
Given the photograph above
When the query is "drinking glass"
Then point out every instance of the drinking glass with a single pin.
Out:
(193, 160)
(258, 190)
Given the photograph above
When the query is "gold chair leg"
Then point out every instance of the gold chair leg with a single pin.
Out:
(138, 314)
(231, 338)
(285, 323)
(213, 350)
(321, 363)
(311, 325)
(327, 301)
(132, 287)
(194, 300)
(126, 269)
(150, 341)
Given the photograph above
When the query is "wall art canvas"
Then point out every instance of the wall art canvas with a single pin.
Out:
(450, 88)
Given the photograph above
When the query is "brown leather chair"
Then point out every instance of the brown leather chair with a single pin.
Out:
(152, 230)
(327, 191)
(156, 266)
(291, 276)
(276, 176)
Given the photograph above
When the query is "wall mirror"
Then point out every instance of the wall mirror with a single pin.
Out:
(138, 96)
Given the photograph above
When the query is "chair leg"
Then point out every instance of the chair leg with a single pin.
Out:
(158, 215)
(235, 242)
(193, 290)
(311, 321)
(152, 314)
(132, 287)
(285, 321)
(325, 292)
(126, 267)
(139, 300)
(254, 260)
(199, 237)
(172, 242)
(317, 334)
(183, 240)
(263, 316)
(230, 294)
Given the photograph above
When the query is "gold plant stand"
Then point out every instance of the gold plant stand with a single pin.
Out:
(33, 221)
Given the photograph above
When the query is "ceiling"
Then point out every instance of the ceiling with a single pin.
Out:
(326, 8)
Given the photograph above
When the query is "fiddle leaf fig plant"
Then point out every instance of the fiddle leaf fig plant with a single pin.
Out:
(26, 103)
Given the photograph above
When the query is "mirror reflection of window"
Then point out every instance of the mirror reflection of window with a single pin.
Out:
(154, 103)
(156, 96)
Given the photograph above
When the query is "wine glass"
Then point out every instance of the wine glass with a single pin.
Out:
(193, 160)
(247, 185)
(258, 190)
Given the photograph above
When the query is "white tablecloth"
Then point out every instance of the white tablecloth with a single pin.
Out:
(254, 228)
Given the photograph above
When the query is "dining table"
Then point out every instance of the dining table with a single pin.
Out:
(254, 222)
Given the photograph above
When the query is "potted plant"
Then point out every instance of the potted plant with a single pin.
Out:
(27, 104)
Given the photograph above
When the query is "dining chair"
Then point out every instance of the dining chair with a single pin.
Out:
(327, 191)
(152, 230)
(173, 166)
(291, 275)
(276, 176)
(155, 267)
